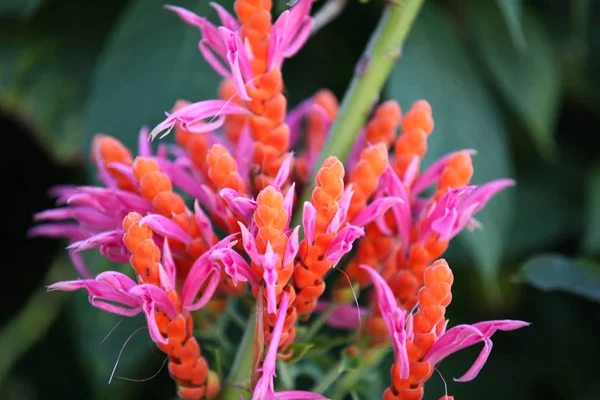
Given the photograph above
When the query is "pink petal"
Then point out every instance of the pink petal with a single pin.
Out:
(235, 266)
(167, 268)
(249, 243)
(288, 201)
(240, 205)
(243, 151)
(241, 70)
(144, 147)
(228, 20)
(202, 271)
(433, 173)
(291, 248)
(477, 200)
(166, 227)
(342, 243)
(111, 238)
(79, 264)
(309, 216)
(375, 210)
(269, 262)
(283, 173)
(394, 320)
(294, 119)
(264, 387)
(195, 113)
(203, 222)
(342, 317)
(463, 336)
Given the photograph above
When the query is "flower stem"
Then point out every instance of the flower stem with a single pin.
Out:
(318, 323)
(371, 358)
(371, 72)
(239, 377)
(330, 378)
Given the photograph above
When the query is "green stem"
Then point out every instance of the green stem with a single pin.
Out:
(330, 378)
(370, 358)
(239, 377)
(319, 322)
(382, 53)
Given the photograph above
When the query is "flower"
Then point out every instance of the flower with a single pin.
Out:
(264, 389)
(431, 343)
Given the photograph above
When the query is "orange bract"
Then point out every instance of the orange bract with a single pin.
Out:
(457, 173)
(416, 127)
(271, 219)
(385, 122)
(311, 268)
(365, 176)
(222, 170)
(113, 151)
(428, 323)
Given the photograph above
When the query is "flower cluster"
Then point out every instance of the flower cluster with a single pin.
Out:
(234, 156)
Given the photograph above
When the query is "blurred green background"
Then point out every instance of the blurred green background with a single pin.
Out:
(515, 80)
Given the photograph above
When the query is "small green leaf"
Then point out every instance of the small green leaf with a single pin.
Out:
(299, 350)
(513, 15)
(556, 272)
(436, 66)
(349, 362)
(135, 88)
(592, 235)
(528, 80)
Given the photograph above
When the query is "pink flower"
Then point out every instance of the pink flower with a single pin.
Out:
(265, 388)
(119, 294)
(224, 49)
(459, 337)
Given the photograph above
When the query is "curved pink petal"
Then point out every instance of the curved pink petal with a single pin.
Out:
(463, 336)
(433, 173)
(269, 262)
(264, 388)
(166, 227)
(342, 243)
(228, 20)
(240, 205)
(394, 319)
(375, 210)
(291, 248)
(309, 216)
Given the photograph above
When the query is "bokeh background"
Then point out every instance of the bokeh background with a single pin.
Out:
(516, 80)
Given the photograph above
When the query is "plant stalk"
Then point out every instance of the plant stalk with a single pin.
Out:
(239, 378)
(371, 72)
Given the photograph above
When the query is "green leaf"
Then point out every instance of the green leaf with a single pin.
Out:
(151, 60)
(45, 68)
(549, 207)
(19, 8)
(435, 66)
(528, 80)
(556, 272)
(100, 353)
(513, 15)
(349, 362)
(592, 235)
(299, 350)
